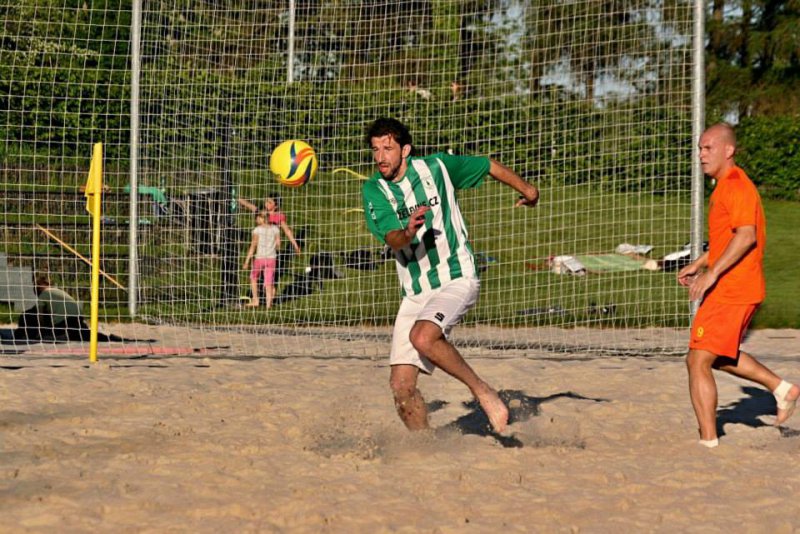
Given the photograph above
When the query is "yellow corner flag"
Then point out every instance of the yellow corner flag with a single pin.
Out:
(94, 186)
(94, 196)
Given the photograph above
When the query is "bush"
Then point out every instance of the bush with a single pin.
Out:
(769, 150)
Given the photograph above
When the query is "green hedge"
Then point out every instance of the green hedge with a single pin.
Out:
(769, 149)
(630, 146)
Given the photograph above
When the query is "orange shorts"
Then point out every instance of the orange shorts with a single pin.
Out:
(719, 328)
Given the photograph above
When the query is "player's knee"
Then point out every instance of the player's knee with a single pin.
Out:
(699, 359)
(690, 360)
(423, 337)
(419, 342)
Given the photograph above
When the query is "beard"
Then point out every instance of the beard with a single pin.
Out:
(391, 173)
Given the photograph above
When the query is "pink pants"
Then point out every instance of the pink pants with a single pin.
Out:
(265, 265)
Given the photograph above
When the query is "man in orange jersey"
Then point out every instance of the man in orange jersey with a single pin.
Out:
(729, 279)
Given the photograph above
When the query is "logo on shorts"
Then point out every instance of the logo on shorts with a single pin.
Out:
(700, 331)
(439, 316)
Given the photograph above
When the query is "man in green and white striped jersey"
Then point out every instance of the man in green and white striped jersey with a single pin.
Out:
(410, 204)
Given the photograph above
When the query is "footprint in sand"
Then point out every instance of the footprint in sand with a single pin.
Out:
(553, 431)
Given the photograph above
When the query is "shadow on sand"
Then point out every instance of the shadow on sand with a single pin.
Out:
(747, 411)
(521, 408)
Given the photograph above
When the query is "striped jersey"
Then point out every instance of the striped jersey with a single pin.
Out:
(440, 251)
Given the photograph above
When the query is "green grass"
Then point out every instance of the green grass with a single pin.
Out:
(178, 285)
(781, 309)
(520, 241)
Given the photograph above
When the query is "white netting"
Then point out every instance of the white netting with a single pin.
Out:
(589, 100)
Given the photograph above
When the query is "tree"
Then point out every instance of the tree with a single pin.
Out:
(753, 57)
(57, 57)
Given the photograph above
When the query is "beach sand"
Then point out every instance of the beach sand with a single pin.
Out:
(203, 442)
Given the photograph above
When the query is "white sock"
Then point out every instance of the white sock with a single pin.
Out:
(710, 443)
(780, 394)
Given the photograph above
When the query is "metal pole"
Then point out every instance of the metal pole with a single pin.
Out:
(698, 125)
(290, 59)
(228, 246)
(136, 64)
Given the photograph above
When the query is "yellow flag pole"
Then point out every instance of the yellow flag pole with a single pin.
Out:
(94, 195)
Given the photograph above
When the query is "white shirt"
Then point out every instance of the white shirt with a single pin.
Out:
(267, 241)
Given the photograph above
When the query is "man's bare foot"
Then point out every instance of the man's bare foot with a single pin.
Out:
(251, 304)
(495, 410)
(786, 404)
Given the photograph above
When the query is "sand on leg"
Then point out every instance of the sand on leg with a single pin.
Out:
(428, 339)
(408, 400)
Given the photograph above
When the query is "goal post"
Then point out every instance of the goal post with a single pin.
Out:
(597, 103)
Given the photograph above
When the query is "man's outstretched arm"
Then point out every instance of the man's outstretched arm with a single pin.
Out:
(529, 192)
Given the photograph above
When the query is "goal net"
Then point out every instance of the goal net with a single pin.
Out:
(590, 101)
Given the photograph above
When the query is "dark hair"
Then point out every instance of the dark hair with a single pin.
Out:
(386, 126)
(275, 198)
(42, 282)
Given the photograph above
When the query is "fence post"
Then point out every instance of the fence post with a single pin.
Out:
(133, 239)
(698, 125)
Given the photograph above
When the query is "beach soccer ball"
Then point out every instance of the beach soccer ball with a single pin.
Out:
(293, 163)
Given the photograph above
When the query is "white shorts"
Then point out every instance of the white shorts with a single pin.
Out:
(444, 306)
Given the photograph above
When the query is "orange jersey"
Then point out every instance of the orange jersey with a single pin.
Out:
(735, 202)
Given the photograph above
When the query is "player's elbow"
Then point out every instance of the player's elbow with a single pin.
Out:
(747, 236)
(396, 246)
(395, 240)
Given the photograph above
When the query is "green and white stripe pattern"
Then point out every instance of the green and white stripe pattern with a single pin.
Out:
(440, 251)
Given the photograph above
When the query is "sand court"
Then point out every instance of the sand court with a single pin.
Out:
(177, 442)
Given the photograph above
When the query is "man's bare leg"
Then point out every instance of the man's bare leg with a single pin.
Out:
(407, 399)
(751, 369)
(703, 391)
(429, 340)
